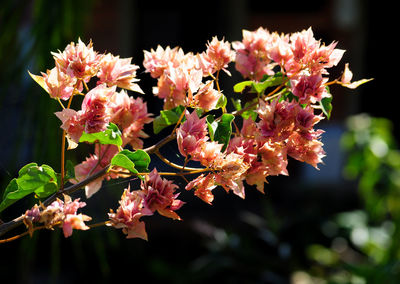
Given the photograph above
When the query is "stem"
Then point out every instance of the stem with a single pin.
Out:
(63, 149)
(197, 171)
(274, 96)
(332, 82)
(62, 160)
(86, 87)
(14, 238)
(98, 224)
(179, 121)
(171, 164)
(158, 145)
(216, 79)
(63, 107)
(25, 233)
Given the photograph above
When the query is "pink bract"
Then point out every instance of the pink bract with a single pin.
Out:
(118, 71)
(160, 196)
(58, 84)
(127, 217)
(78, 60)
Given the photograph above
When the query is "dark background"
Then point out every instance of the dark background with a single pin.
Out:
(257, 240)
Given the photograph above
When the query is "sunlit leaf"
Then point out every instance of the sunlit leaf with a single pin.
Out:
(112, 135)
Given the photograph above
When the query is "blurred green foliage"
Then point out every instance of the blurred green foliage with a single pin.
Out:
(30, 30)
(364, 243)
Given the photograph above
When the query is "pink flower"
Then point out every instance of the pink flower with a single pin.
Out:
(325, 57)
(130, 115)
(277, 119)
(127, 217)
(256, 175)
(249, 128)
(273, 156)
(93, 117)
(74, 222)
(96, 109)
(305, 150)
(156, 61)
(207, 97)
(58, 84)
(118, 71)
(191, 134)
(218, 55)
(309, 88)
(231, 171)
(78, 60)
(303, 43)
(347, 76)
(175, 83)
(252, 57)
(93, 164)
(209, 153)
(279, 48)
(203, 186)
(160, 196)
(306, 119)
(72, 124)
(59, 213)
(310, 53)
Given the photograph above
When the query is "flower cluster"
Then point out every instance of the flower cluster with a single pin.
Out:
(156, 194)
(102, 105)
(299, 55)
(286, 94)
(180, 74)
(59, 213)
(283, 127)
(259, 150)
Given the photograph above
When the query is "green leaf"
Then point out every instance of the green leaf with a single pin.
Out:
(268, 81)
(140, 159)
(11, 194)
(221, 102)
(41, 180)
(237, 104)
(112, 135)
(212, 126)
(289, 96)
(70, 171)
(250, 112)
(326, 106)
(167, 118)
(239, 87)
(223, 131)
(121, 160)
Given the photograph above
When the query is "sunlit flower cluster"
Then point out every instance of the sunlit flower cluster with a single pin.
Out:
(103, 104)
(179, 75)
(285, 95)
(299, 55)
(59, 213)
(156, 194)
(261, 149)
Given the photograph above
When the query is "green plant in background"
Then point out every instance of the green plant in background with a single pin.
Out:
(29, 31)
(365, 244)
